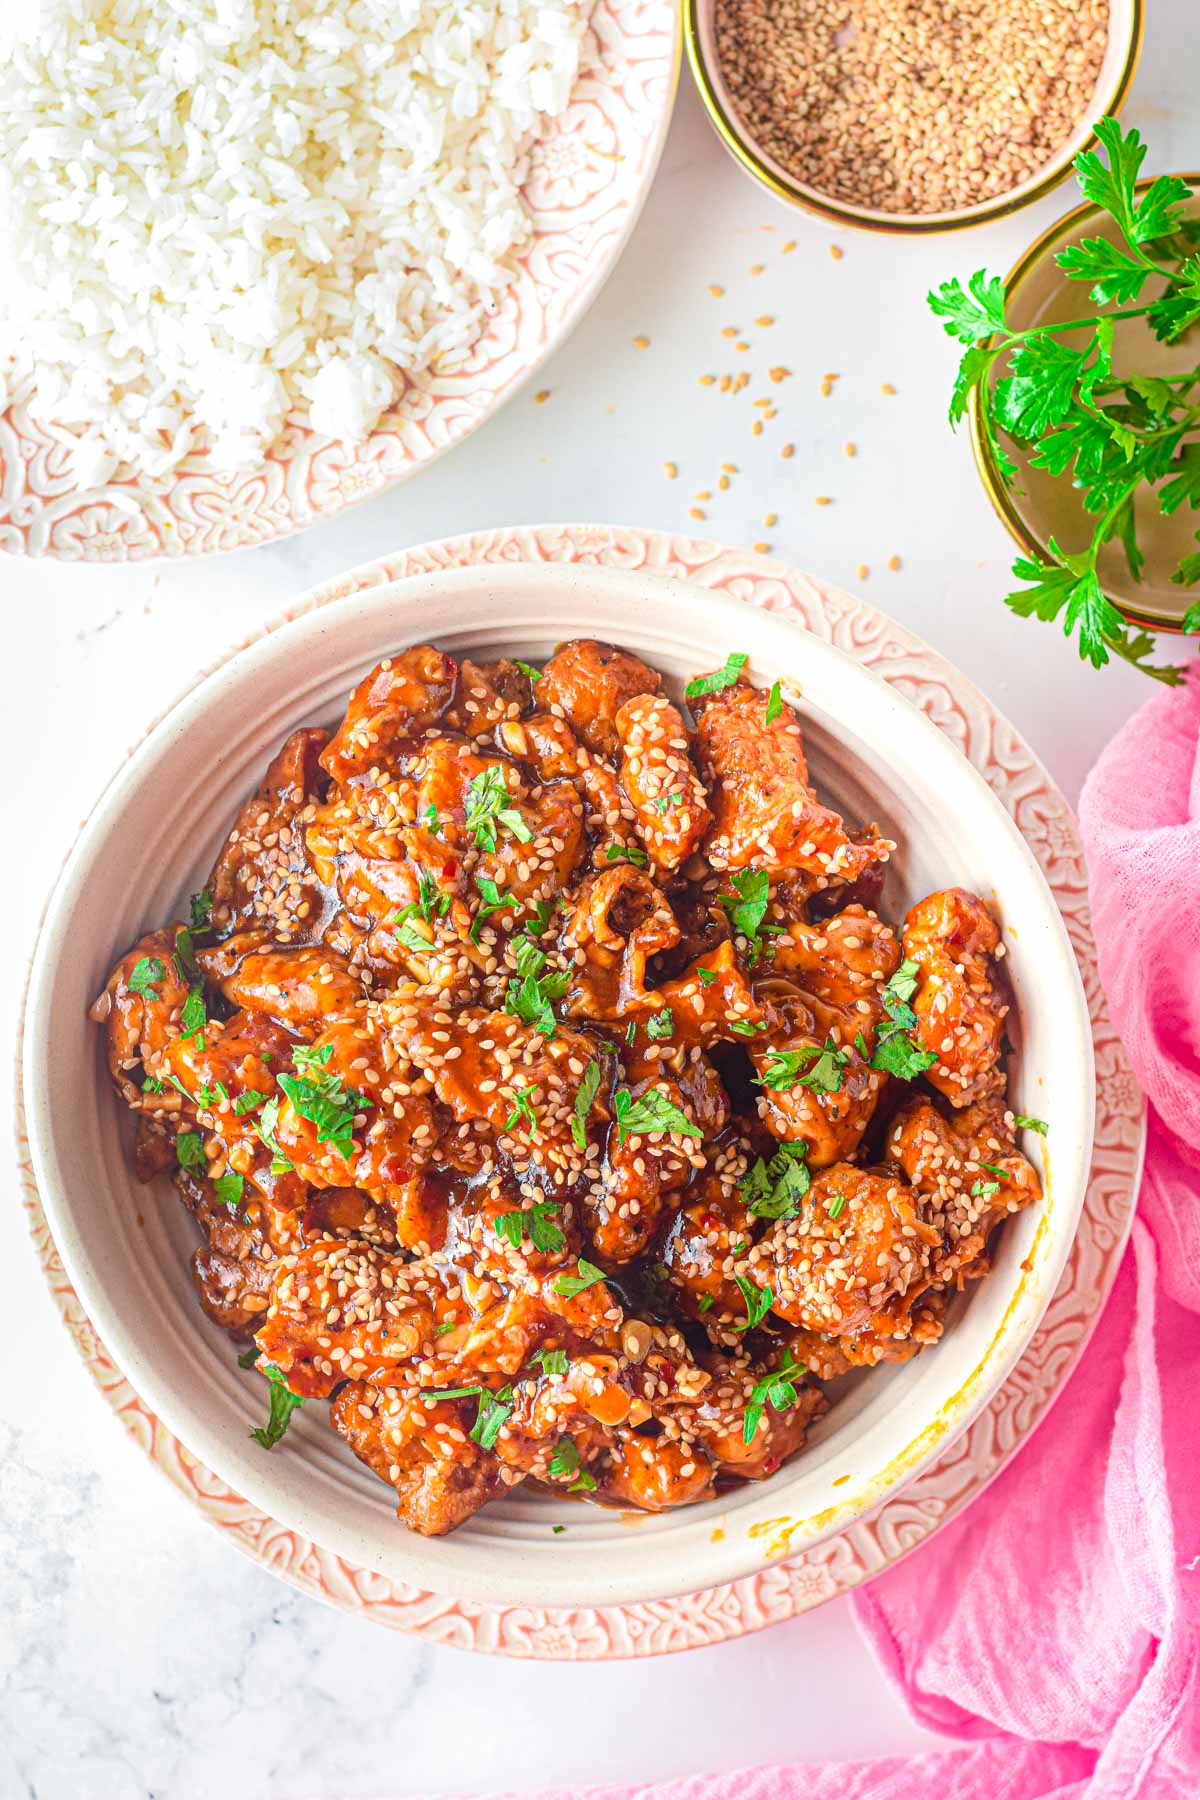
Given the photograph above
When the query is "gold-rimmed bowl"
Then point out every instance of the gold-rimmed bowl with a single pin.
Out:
(1036, 506)
(1126, 27)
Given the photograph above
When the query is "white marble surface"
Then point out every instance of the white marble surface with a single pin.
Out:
(139, 1655)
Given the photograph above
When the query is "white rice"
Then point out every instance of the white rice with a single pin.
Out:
(216, 212)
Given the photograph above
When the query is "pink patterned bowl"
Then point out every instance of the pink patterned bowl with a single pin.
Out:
(589, 178)
(151, 840)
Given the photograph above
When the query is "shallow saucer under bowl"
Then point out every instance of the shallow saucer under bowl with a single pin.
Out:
(151, 840)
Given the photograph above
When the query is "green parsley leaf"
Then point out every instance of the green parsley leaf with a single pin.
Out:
(777, 1389)
(758, 1303)
(973, 312)
(453, 1393)
(588, 1088)
(1023, 1122)
(488, 805)
(903, 984)
(565, 1460)
(194, 1016)
(707, 976)
(522, 1110)
(543, 912)
(824, 1073)
(660, 1025)
(492, 900)
(283, 1403)
(652, 1112)
(570, 1285)
(430, 820)
(746, 1027)
(781, 1070)
(249, 1358)
(201, 910)
(583, 1484)
(1116, 277)
(834, 1208)
(530, 993)
(145, 977)
(535, 1221)
(534, 674)
(320, 1097)
(1158, 212)
(552, 1362)
(722, 678)
(746, 907)
(704, 1304)
(994, 1169)
(266, 1131)
(494, 1409)
(981, 1189)
(446, 1326)
(248, 1102)
(774, 703)
(189, 1151)
(184, 957)
(664, 800)
(228, 1189)
(631, 852)
(897, 1050)
(151, 1086)
(774, 1190)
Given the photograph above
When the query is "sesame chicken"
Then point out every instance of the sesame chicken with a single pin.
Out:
(526, 1070)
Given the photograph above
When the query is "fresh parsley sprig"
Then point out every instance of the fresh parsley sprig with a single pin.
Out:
(1057, 390)
(777, 1389)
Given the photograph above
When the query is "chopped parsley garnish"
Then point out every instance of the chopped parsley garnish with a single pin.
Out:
(704, 1303)
(631, 852)
(993, 1169)
(228, 1189)
(570, 1285)
(248, 1358)
(980, 1190)
(530, 993)
(543, 912)
(1024, 1123)
(491, 900)
(823, 1075)
(707, 976)
(458, 1393)
(429, 905)
(758, 1303)
(897, 1051)
(201, 908)
(652, 1112)
(746, 908)
(145, 977)
(535, 1222)
(777, 1389)
(488, 806)
(321, 1097)
(194, 1016)
(493, 1411)
(565, 1460)
(283, 1403)
(265, 1128)
(445, 1326)
(552, 1362)
(430, 819)
(660, 1025)
(208, 1097)
(721, 678)
(534, 675)
(774, 703)
(746, 1027)
(836, 1204)
(151, 1086)
(664, 800)
(522, 1110)
(184, 957)
(583, 1483)
(774, 1190)
(631, 1032)
(247, 1102)
(189, 1151)
(589, 1086)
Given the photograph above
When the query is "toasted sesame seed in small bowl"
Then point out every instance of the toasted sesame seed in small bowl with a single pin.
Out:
(910, 115)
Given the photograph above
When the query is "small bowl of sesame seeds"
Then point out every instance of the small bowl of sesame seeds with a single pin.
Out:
(910, 115)
(151, 842)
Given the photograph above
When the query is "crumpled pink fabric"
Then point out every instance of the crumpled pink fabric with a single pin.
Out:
(1052, 1633)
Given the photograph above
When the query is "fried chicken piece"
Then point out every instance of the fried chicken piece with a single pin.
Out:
(299, 986)
(657, 775)
(233, 1269)
(811, 1086)
(140, 1021)
(828, 1357)
(654, 1474)
(854, 1259)
(343, 1311)
(421, 1450)
(969, 1173)
(619, 921)
(262, 874)
(402, 696)
(589, 682)
(487, 694)
(766, 815)
(698, 1251)
(959, 1003)
(717, 1421)
(653, 1163)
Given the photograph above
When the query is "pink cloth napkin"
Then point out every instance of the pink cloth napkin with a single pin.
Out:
(1053, 1631)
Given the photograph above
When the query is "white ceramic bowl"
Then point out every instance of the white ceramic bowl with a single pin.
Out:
(151, 840)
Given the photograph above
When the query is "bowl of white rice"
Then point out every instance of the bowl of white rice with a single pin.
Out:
(265, 257)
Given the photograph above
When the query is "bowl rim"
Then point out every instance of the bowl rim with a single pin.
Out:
(979, 415)
(842, 212)
(740, 1552)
